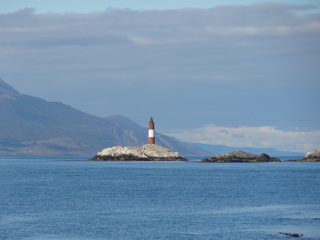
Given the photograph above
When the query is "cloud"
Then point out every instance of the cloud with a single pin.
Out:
(171, 26)
(260, 137)
(193, 65)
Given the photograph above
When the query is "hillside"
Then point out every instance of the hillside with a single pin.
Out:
(33, 126)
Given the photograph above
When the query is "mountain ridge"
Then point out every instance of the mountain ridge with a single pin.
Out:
(34, 126)
(7, 91)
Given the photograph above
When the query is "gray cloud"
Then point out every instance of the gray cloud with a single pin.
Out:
(157, 27)
(229, 65)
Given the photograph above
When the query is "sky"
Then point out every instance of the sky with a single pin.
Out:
(214, 72)
(89, 6)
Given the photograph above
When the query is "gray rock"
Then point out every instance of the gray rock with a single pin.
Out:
(310, 157)
(314, 154)
(240, 156)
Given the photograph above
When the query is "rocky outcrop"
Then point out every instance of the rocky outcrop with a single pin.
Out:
(240, 156)
(148, 152)
(290, 234)
(310, 157)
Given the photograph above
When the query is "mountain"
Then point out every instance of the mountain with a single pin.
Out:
(220, 149)
(7, 91)
(33, 126)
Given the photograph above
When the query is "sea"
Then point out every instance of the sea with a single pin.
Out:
(46, 198)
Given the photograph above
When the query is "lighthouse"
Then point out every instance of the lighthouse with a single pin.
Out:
(151, 139)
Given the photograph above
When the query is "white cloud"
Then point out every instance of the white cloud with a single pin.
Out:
(193, 64)
(260, 137)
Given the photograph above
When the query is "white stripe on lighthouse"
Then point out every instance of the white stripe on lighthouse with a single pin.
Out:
(151, 133)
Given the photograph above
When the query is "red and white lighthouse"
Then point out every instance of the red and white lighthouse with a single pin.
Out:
(151, 139)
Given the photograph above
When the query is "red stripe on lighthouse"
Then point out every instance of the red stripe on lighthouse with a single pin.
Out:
(151, 139)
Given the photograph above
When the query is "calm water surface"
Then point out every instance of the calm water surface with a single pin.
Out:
(50, 198)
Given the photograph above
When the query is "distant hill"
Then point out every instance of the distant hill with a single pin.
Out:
(33, 126)
(220, 149)
(6, 90)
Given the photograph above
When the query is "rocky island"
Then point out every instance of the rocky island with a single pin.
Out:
(240, 156)
(148, 152)
(309, 157)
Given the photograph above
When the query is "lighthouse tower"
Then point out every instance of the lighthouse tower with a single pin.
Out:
(151, 139)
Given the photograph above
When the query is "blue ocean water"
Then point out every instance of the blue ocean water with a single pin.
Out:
(63, 198)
